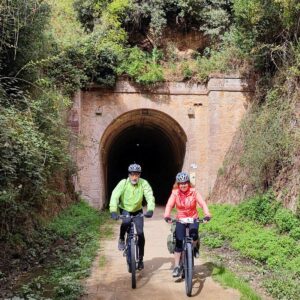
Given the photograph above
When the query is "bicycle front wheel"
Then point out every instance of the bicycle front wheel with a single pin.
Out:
(188, 269)
(133, 263)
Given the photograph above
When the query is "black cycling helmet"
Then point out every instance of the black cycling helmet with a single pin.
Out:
(134, 168)
(182, 177)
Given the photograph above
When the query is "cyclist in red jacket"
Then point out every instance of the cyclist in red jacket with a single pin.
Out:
(185, 199)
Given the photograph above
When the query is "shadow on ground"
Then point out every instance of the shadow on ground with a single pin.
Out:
(201, 272)
(151, 267)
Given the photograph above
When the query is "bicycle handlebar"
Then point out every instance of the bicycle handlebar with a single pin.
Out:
(122, 217)
(174, 220)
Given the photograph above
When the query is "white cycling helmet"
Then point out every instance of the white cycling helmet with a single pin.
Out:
(134, 168)
(182, 177)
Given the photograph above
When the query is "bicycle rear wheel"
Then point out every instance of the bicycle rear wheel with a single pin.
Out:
(188, 269)
(133, 263)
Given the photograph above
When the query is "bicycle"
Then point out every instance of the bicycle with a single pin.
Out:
(131, 248)
(186, 262)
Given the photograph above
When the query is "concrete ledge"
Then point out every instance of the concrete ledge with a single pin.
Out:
(195, 122)
(230, 84)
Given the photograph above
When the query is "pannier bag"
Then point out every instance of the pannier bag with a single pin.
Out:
(171, 239)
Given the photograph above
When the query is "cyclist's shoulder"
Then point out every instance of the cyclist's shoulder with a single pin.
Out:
(123, 181)
(175, 192)
(193, 190)
(143, 181)
(144, 184)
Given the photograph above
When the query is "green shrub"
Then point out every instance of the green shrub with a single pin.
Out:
(142, 67)
(273, 251)
(286, 221)
(269, 142)
(226, 60)
(229, 279)
(187, 71)
(267, 210)
(68, 289)
(261, 208)
(283, 286)
(295, 233)
(78, 231)
(261, 23)
(213, 241)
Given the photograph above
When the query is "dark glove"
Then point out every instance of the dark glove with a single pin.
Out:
(114, 216)
(207, 218)
(148, 214)
(168, 219)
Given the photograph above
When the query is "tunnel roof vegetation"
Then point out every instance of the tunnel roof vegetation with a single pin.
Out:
(173, 40)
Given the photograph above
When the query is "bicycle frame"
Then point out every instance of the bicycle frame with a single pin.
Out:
(131, 249)
(187, 261)
(187, 256)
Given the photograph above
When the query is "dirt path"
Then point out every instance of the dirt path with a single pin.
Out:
(110, 280)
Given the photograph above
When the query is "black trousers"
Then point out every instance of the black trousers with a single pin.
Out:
(139, 224)
(181, 232)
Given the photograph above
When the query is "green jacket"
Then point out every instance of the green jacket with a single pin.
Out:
(129, 197)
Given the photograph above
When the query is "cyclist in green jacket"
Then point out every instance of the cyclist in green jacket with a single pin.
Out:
(127, 197)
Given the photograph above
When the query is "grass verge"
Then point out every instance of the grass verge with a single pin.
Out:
(277, 254)
(77, 232)
(228, 279)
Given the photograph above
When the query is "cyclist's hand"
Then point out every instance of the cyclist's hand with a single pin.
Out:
(114, 216)
(206, 218)
(168, 219)
(148, 214)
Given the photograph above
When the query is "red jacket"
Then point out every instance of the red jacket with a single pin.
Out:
(186, 204)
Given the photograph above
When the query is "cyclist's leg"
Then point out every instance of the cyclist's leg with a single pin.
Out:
(179, 234)
(194, 229)
(139, 224)
(125, 225)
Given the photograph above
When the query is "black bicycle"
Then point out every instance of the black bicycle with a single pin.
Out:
(186, 263)
(131, 251)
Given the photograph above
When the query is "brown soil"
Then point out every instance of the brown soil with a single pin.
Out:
(110, 280)
(250, 271)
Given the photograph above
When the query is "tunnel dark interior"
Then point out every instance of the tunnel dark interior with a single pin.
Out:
(150, 147)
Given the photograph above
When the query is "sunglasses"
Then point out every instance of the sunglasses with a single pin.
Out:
(183, 183)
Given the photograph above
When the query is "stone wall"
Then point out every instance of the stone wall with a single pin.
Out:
(208, 116)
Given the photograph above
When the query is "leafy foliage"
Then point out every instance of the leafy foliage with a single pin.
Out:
(261, 208)
(22, 36)
(73, 239)
(267, 29)
(268, 138)
(33, 141)
(213, 241)
(213, 17)
(278, 255)
(265, 209)
(144, 68)
(227, 278)
(39, 73)
(285, 220)
(65, 29)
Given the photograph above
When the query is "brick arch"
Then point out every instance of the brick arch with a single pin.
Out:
(197, 122)
(144, 120)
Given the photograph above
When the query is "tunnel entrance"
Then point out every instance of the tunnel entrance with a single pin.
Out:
(147, 137)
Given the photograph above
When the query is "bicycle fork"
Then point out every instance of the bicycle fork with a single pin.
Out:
(183, 263)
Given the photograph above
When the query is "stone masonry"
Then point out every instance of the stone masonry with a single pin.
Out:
(205, 117)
